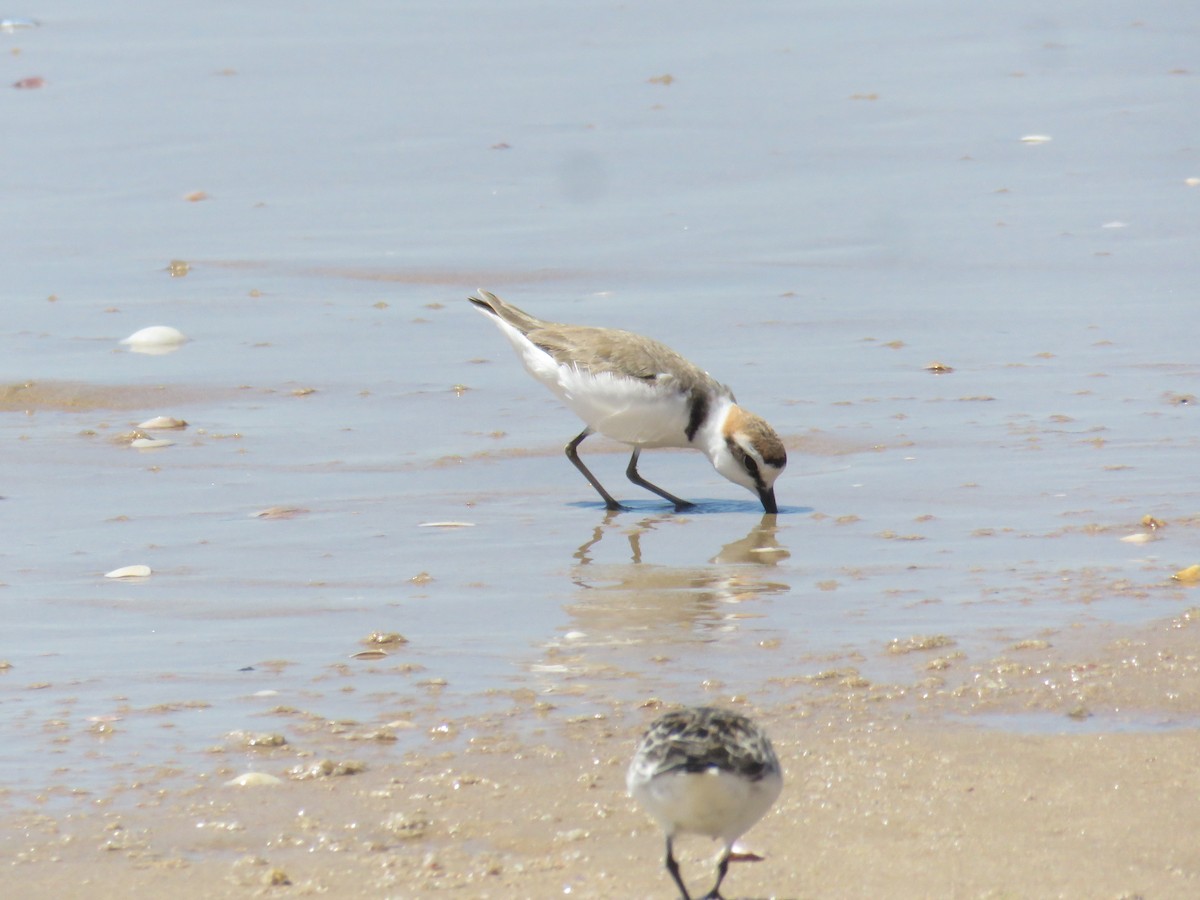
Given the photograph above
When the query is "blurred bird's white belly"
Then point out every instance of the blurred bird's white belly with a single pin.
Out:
(715, 803)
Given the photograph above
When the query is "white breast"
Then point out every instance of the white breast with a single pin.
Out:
(648, 414)
(715, 803)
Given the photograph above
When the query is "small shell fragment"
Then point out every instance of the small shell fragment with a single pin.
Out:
(1190, 575)
(369, 654)
(327, 767)
(385, 637)
(162, 423)
(1141, 537)
(279, 512)
(1036, 139)
(10, 24)
(938, 368)
(267, 739)
(148, 443)
(253, 779)
(446, 525)
(919, 643)
(129, 572)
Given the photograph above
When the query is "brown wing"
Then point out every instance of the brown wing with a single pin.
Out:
(607, 350)
(602, 350)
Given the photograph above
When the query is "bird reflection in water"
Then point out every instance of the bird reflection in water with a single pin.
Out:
(640, 600)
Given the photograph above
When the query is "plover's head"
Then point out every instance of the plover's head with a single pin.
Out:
(750, 454)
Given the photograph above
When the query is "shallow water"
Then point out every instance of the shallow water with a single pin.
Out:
(821, 202)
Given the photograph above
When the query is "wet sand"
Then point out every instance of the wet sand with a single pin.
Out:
(895, 790)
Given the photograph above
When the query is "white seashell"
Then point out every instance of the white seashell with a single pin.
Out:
(1142, 537)
(1036, 139)
(446, 525)
(157, 339)
(150, 443)
(162, 422)
(253, 779)
(156, 334)
(1192, 182)
(1115, 224)
(129, 572)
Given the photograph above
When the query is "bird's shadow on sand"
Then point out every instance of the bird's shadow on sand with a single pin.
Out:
(701, 507)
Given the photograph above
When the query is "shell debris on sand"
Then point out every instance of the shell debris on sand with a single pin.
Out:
(149, 443)
(162, 423)
(1190, 575)
(279, 512)
(254, 779)
(138, 571)
(384, 637)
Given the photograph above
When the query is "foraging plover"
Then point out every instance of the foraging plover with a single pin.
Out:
(640, 392)
(704, 771)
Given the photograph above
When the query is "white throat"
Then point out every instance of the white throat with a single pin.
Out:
(710, 436)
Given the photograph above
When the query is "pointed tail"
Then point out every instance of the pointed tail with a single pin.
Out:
(490, 304)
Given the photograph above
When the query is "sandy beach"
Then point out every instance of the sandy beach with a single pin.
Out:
(892, 790)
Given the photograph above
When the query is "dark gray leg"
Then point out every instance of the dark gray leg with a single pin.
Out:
(722, 868)
(637, 479)
(573, 456)
(673, 868)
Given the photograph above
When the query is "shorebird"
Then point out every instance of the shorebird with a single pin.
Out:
(640, 392)
(705, 771)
